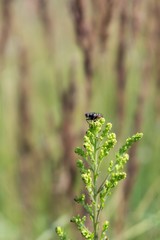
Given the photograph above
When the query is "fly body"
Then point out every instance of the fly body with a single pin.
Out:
(92, 116)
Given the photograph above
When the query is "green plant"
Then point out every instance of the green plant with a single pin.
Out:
(98, 141)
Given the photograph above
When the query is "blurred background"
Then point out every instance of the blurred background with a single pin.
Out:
(58, 60)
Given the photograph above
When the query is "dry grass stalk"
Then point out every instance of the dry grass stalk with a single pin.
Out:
(84, 35)
(47, 22)
(25, 147)
(6, 6)
(67, 133)
(91, 32)
(120, 64)
(104, 11)
(154, 12)
(132, 166)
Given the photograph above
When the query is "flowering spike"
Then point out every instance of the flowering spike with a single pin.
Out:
(98, 142)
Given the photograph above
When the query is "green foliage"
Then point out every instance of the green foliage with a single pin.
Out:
(61, 233)
(98, 141)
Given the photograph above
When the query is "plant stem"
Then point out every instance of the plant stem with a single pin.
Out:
(95, 220)
(106, 178)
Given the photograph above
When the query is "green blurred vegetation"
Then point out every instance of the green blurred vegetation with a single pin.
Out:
(47, 56)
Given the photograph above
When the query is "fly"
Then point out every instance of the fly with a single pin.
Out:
(92, 116)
